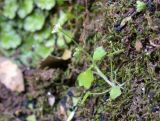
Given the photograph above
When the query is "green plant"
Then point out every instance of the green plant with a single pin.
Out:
(34, 22)
(99, 53)
(10, 8)
(25, 7)
(86, 77)
(115, 92)
(10, 38)
(45, 4)
(140, 6)
(24, 28)
(31, 118)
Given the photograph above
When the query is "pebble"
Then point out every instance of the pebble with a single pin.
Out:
(51, 99)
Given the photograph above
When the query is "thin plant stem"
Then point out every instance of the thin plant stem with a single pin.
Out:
(116, 52)
(99, 72)
(111, 64)
(99, 93)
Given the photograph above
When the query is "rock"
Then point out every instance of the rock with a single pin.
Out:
(51, 99)
(138, 45)
(10, 75)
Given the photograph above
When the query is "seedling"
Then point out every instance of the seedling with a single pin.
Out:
(87, 77)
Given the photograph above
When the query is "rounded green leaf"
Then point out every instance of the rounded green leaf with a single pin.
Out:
(60, 41)
(43, 34)
(34, 22)
(115, 92)
(99, 53)
(62, 19)
(9, 39)
(31, 118)
(45, 4)
(6, 26)
(26, 6)
(86, 78)
(43, 51)
(25, 57)
(68, 36)
(10, 8)
(50, 42)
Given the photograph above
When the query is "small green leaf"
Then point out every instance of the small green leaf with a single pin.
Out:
(99, 53)
(77, 52)
(115, 92)
(50, 42)
(86, 78)
(43, 51)
(141, 6)
(60, 2)
(26, 6)
(45, 4)
(60, 42)
(25, 57)
(34, 22)
(63, 18)
(31, 118)
(10, 39)
(43, 34)
(68, 36)
(10, 8)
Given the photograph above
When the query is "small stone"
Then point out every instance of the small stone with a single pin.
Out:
(138, 45)
(51, 99)
(10, 75)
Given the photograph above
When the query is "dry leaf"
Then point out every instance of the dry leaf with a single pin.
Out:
(10, 75)
(125, 20)
(155, 42)
(153, 22)
(57, 62)
(66, 55)
(138, 45)
(54, 62)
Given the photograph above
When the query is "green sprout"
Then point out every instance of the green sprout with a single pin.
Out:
(87, 77)
(140, 6)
